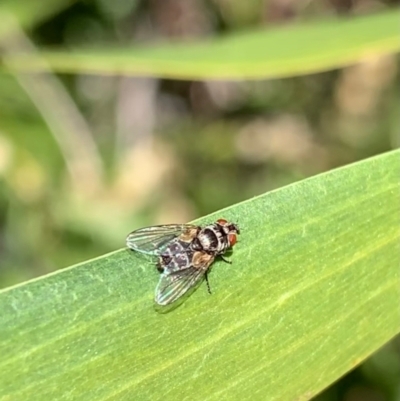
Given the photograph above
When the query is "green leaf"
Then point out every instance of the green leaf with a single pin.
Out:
(278, 52)
(312, 291)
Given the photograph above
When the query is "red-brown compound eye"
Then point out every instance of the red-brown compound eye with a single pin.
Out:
(232, 239)
(221, 222)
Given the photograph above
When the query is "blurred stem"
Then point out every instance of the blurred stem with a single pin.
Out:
(60, 113)
(136, 112)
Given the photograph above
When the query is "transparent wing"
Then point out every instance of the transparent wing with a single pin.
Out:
(173, 285)
(152, 240)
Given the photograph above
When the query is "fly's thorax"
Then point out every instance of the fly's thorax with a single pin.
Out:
(211, 239)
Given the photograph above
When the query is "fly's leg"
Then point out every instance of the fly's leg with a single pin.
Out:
(208, 284)
(226, 260)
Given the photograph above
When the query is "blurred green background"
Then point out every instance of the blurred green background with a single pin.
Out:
(85, 159)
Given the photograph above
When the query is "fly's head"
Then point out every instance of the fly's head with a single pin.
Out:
(230, 229)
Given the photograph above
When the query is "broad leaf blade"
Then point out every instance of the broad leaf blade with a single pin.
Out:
(312, 291)
(278, 52)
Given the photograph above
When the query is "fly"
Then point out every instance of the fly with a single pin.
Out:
(185, 253)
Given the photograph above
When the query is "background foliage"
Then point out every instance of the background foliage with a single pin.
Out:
(84, 159)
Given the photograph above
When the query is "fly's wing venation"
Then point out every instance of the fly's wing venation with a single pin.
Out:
(153, 240)
(173, 285)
